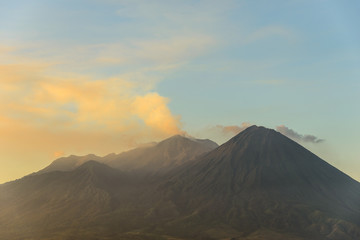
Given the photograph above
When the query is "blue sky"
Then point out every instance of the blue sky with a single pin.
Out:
(193, 66)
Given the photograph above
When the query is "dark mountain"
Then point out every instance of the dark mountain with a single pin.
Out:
(160, 157)
(69, 163)
(94, 199)
(258, 185)
(261, 179)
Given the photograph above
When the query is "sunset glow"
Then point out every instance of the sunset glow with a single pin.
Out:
(107, 76)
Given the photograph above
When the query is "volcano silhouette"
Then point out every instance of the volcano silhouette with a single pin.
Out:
(258, 185)
(261, 179)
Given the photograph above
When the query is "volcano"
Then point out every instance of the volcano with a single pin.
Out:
(258, 185)
(261, 179)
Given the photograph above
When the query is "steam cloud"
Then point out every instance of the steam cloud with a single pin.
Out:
(297, 136)
(221, 133)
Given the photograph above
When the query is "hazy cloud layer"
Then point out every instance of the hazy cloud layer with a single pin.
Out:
(297, 136)
(88, 85)
(72, 94)
(47, 113)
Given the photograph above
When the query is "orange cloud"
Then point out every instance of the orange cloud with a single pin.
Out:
(42, 111)
(47, 105)
(153, 109)
(81, 102)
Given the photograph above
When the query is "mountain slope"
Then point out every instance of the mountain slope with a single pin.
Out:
(69, 163)
(83, 202)
(258, 185)
(166, 155)
(160, 157)
(262, 179)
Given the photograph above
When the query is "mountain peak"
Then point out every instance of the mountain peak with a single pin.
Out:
(94, 167)
(257, 129)
(178, 137)
(92, 164)
(167, 154)
(260, 157)
(191, 138)
(255, 134)
(94, 170)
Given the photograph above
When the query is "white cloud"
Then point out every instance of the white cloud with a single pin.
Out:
(297, 136)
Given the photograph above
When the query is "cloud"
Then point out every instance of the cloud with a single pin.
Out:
(221, 133)
(296, 136)
(231, 130)
(152, 108)
(96, 95)
(43, 110)
(81, 102)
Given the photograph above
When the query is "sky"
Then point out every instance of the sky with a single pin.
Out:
(79, 77)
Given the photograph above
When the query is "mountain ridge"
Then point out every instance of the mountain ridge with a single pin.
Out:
(160, 153)
(258, 185)
(261, 167)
